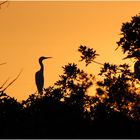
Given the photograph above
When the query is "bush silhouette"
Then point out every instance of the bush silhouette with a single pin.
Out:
(65, 110)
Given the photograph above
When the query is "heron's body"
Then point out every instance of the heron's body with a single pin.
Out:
(137, 70)
(39, 76)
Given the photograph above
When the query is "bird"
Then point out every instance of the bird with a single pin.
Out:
(136, 55)
(137, 70)
(39, 76)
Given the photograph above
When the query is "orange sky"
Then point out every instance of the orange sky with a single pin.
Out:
(29, 30)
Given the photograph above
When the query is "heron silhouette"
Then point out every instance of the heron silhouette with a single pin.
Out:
(39, 76)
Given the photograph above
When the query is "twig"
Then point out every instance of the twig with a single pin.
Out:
(4, 83)
(103, 64)
(3, 63)
(98, 63)
(3, 2)
(12, 81)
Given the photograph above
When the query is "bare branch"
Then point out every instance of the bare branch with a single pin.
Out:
(3, 2)
(12, 81)
(4, 83)
(3, 63)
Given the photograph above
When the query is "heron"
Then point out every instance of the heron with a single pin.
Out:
(136, 55)
(39, 75)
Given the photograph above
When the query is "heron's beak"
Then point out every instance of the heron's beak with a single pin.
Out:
(48, 57)
(129, 56)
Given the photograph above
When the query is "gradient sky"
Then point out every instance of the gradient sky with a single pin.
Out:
(29, 30)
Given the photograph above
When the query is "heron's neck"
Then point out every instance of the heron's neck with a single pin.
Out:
(41, 66)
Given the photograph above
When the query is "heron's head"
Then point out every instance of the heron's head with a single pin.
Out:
(42, 58)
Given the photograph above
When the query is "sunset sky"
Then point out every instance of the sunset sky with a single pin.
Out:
(29, 30)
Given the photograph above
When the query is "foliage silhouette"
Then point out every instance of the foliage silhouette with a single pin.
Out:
(65, 110)
(130, 31)
(87, 54)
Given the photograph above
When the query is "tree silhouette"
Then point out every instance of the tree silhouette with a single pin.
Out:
(74, 84)
(130, 44)
(65, 110)
(130, 32)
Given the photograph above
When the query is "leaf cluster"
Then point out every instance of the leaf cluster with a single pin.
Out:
(130, 32)
(87, 54)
